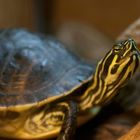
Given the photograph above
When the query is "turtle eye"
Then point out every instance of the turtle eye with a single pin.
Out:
(117, 48)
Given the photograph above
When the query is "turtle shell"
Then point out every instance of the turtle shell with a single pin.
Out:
(34, 68)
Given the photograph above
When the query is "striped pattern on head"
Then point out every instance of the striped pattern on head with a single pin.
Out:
(112, 73)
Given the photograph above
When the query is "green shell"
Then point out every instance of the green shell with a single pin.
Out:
(35, 68)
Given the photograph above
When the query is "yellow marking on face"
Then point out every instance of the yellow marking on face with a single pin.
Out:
(128, 50)
(109, 77)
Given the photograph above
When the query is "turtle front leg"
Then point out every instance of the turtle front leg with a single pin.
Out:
(69, 124)
(50, 120)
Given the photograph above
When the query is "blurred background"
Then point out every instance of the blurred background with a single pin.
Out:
(109, 17)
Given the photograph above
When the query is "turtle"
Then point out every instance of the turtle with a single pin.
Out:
(45, 89)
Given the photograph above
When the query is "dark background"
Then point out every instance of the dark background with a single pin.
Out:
(110, 17)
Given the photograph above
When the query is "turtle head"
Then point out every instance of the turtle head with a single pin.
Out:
(112, 73)
(116, 68)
